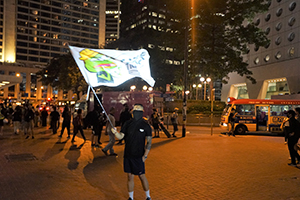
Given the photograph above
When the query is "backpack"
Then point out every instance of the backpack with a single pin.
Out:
(76, 121)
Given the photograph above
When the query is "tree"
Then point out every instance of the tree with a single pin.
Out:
(62, 73)
(221, 32)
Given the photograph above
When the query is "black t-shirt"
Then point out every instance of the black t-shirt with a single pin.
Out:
(135, 137)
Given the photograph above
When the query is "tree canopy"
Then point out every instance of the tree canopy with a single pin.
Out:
(221, 32)
(62, 73)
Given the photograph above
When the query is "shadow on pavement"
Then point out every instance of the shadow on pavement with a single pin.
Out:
(56, 149)
(72, 155)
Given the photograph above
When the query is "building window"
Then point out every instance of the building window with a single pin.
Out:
(278, 1)
(279, 12)
(291, 36)
(292, 21)
(257, 22)
(292, 6)
(278, 41)
(267, 45)
(256, 48)
(279, 26)
(267, 58)
(278, 55)
(291, 52)
(256, 60)
(268, 17)
(267, 30)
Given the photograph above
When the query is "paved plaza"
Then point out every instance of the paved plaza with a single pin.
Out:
(199, 166)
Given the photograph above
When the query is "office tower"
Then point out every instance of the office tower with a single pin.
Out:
(112, 27)
(151, 25)
(275, 66)
(32, 32)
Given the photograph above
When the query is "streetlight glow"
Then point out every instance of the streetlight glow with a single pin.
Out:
(145, 87)
(133, 87)
(202, 79)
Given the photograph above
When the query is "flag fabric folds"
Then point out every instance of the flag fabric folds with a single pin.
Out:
(105, 67)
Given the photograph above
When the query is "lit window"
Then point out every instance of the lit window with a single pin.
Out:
(154, 14)
(256, 60)
(278, 55)
(291, 51)
(267, 58)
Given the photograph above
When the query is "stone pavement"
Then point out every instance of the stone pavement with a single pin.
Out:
(199, 166)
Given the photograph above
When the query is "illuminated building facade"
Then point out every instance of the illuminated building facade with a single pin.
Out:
(275, 66)
(32, 32)
(112, 28)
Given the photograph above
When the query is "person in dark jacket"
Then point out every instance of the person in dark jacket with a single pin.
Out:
(44, 115)
(292, 132)
(54, 115)
(93, 118)
(66, 122)
(78, 125)
(28, 121)
(17, 118)
(124, 117)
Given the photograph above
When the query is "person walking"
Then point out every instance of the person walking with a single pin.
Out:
(174, 120)
(28, 121)
(17, 118)
(44, 115)
(231, 120)
(109, 125)
(54, 115)
(2, 117)
(124, 117)
(155, 123)
(292, 132)
(135, 132)
(66, 121)
(93, 119)
(36, 116)
(78, 125)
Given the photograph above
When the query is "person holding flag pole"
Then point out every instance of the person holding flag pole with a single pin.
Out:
(112, 68)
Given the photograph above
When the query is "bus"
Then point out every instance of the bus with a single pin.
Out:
(257, 114)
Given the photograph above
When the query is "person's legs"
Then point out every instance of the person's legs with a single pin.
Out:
(68, 128)
(292, 151)
(81, 132)
(130, 183)
(75, 130)
(62, 129)
(144, 182)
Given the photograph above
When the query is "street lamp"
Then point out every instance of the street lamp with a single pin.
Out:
(132, 88)
(150, 89)
(204, 81)
(145, 87)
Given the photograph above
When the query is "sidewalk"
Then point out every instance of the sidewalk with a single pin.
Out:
(199, 166)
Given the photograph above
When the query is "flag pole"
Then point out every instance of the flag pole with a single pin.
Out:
(101, 105)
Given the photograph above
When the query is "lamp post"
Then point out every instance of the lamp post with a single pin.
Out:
(204, 81)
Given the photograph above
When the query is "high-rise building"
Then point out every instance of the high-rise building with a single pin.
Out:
(112, 26)
(34, 31)
(275, 66)
(151, 25)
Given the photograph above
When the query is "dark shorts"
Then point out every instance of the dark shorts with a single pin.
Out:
(134, 166)
(156, 126)
(175, 127)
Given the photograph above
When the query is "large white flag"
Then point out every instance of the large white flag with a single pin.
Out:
(112, 67)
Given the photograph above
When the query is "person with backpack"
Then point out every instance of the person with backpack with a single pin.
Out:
(78, 125)
(54, 115)
(66, 122)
